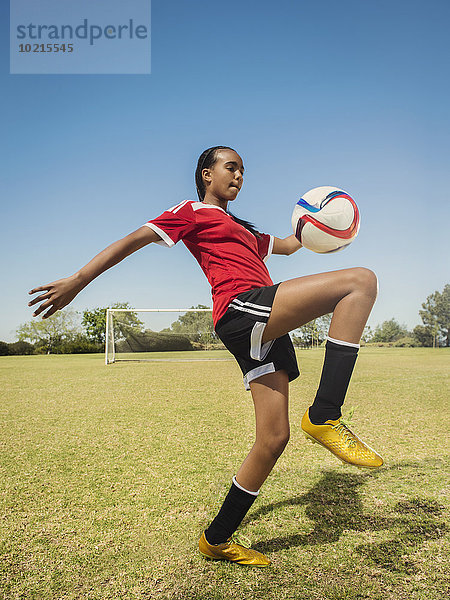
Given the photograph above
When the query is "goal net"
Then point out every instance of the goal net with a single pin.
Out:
(149, 334)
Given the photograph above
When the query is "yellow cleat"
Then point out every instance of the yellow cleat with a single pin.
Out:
(338, 438)
(233, 552)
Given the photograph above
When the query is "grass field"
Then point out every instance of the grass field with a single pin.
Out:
(109, 475)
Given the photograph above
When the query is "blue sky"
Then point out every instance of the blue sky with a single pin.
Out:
(353, 94)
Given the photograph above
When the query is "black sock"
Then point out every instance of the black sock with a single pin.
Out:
(336, 373)
(233, 510)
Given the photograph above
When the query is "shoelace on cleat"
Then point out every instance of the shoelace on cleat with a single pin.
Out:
(242, 540)
(343, 429)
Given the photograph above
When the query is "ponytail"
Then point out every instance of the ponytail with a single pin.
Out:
(245, 224)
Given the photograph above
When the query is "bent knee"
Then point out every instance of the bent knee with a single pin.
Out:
(275, 444)
(366, 280)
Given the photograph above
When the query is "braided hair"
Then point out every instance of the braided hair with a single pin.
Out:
(206, 160)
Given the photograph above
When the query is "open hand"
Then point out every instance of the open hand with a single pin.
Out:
(57, 295)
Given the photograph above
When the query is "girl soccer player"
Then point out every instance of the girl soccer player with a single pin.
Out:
(253, 317)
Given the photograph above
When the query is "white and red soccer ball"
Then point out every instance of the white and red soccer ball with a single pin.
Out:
(325, 219)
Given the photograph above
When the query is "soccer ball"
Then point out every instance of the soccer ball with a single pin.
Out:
(325, 219)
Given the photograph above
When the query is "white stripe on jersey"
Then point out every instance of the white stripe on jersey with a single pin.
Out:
(258, 306)
(165, 239)
(177, 207)
(270, 249)
(249, 310)
(199, 205)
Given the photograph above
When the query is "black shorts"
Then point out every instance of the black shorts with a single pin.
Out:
(241, 330)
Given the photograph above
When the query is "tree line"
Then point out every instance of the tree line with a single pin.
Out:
(69, 332)
(434, 331)
(65, 332)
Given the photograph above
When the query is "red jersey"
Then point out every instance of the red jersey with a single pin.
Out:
(231, 257)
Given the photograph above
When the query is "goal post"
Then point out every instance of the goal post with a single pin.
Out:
(144, 334)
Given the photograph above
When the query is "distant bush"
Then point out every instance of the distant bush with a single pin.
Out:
(20, 348)
(77, 345)
(389, 331)
(150, 341)
(80, 345)
(405, 342)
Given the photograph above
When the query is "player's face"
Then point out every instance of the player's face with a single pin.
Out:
(226, 176)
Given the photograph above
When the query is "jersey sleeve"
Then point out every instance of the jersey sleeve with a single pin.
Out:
(173, 224)
(265, 245)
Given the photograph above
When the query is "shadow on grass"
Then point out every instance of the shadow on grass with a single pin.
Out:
(334, 506)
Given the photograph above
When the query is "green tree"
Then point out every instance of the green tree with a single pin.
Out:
(435, 314)
(94, 322)
(367, 334)
(197, 326)
(423, 335)
(389, 331)
(323, 325)
(313, 333)
(307, 335)
(49, 334)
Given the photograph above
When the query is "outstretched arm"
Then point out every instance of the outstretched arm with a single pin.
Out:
(286, 246)
(59, 294)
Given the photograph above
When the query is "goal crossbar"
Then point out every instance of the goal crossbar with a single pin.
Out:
(110, 310)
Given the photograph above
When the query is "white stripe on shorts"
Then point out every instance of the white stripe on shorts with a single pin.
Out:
(258, 350)
(249, 310)
(258, 306)
(258, 372)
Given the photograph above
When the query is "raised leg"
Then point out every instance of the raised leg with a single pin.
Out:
(348, 294)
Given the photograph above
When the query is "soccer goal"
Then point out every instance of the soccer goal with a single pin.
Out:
(161, 334)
